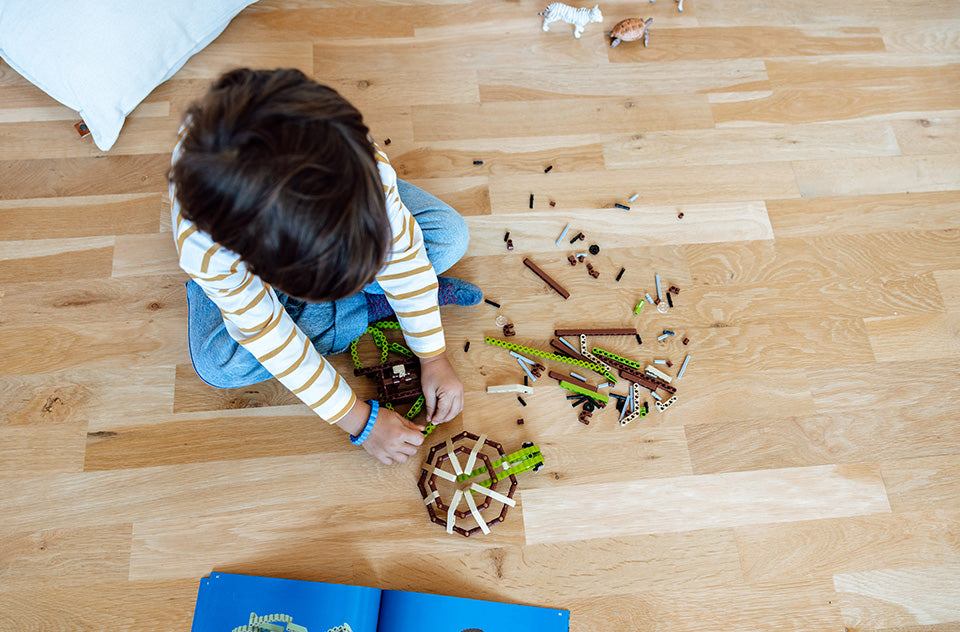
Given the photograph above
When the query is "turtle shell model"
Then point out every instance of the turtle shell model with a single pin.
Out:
(630, 30)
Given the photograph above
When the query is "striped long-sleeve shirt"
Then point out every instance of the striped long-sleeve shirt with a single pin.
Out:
(255, 317)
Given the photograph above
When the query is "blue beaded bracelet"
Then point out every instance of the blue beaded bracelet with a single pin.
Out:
(374, 409)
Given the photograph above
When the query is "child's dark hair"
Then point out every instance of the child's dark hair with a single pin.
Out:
(280, 170)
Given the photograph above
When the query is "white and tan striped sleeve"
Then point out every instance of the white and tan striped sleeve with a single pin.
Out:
(256, 319)
(408, 278)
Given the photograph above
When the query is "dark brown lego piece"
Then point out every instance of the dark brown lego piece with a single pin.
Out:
(595, 332)
(674, 289)
(564, 349)
(559, 289)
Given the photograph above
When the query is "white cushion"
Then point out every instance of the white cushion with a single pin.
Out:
(103, 57)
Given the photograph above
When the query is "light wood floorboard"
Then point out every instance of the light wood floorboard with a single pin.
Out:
(796, 167)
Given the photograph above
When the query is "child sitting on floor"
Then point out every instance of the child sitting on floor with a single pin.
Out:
(296, 232)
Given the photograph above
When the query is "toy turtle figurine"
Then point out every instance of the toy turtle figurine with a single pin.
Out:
(630, 30)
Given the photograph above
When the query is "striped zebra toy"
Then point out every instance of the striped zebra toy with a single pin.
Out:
(571, 15)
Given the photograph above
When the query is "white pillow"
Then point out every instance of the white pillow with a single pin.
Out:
(102, 57)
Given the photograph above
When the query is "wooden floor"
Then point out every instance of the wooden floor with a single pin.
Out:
(808, 477)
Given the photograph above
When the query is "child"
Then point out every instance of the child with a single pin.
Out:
(296, 233)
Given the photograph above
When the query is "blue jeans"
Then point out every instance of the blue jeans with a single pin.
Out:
(221, 362)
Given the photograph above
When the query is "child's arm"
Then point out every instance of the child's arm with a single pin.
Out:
(410, 285)
(393, 438)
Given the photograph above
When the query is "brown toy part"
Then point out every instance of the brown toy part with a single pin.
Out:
(392, 387)
(427, 483)
(509, 244)
(594, 274)
(572, 260)
(584, 418)
(564, 349)
(674, 289)
(669, 363)
(508, 330)
(81, 128)
(630, 30)
(686, 341)
(594, 332)
(552, 203)
(520, 422)
(559, 289)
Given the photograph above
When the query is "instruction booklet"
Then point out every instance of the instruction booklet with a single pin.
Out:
(245, 603)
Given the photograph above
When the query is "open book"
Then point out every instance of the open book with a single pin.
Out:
(244, 603)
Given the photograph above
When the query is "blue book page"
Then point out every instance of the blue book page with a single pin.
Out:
(316, 606)
(418, 612)
(203, 598)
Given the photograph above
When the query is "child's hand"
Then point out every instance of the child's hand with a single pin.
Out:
(392, 438)
(442, 389)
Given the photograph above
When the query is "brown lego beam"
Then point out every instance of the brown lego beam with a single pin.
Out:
(564, 349)
(594, 332)
(559, 289)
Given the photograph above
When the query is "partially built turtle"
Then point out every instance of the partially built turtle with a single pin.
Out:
(630, 30)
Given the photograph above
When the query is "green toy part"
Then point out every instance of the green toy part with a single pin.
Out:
(517, 462)
(552, 356)
(603, 353)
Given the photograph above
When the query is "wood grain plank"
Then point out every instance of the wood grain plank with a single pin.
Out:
(700, 502)
(661, 77)
(93, 300)
(151, 254)
(803, 606)
(447, 159)
(923, 37)
(948, 282)
(791, 261)
(66, 556)
(112, 497)
(27, 350)
(47, 448)
(870, 176)
(746, 42)
(192, 394)
(878, 388)
(940, 135)
(97, 397)
(79, 217)
(102, 175)
(923, 483)
(571, 116)
(824, 548)
(614, 228)
(719, 397)
(656, 187)
(56, 259)
(102, 604)
(894, 212)
(892, 597)
(915, 337)
(177, 547)
(844, 89)
(811, 439)
(182, 439)
(752, 145)
(828, 12)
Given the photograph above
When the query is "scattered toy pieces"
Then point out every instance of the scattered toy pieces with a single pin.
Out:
(559, 289)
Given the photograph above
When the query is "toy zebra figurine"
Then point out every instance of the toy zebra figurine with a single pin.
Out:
(571, 15)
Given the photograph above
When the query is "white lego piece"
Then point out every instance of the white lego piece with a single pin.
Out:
(657, 372)
(506, 500)
(511, 388)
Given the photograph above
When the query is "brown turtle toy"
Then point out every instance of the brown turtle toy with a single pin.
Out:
(630, 30)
